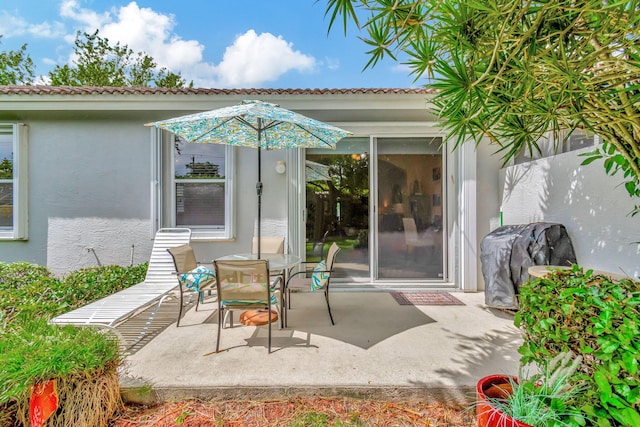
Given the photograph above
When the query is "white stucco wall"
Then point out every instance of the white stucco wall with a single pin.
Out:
(488, 196)
(592, 206)
(90, 172)
(86, 241)
(89, 186)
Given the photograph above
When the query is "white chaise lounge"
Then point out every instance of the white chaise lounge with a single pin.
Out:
(160, 280)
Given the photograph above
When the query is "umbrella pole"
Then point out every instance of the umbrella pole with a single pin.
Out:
(259, 189)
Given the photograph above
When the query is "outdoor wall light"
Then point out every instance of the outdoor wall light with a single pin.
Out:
(281, 167)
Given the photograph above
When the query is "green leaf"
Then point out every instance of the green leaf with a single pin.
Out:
(631, 187)
(630, 362)
(607, 345)
(630, 417)
(590, 160)
(608, 164)
(603, 383)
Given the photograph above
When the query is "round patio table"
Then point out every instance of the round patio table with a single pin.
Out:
(276, 261)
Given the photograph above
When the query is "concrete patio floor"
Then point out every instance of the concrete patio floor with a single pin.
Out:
(377, 349)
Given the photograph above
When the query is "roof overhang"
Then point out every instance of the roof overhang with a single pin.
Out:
(344, 105)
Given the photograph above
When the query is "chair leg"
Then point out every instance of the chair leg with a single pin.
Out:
(280, 316)
(269, 308)
(326, 296)
(180, 309)
(229, 317)
(220, 317)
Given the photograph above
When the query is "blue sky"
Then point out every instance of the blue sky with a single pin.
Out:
(215, 43)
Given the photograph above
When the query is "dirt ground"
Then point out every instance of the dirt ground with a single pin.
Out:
(295, 412)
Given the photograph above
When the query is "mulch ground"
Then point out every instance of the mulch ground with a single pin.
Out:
(295, 412)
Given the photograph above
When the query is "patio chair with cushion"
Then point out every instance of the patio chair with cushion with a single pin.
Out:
(244, 285)
(320, 277)
(193, 278)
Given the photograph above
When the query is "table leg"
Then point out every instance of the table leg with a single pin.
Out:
(285, 308)
(283, 298)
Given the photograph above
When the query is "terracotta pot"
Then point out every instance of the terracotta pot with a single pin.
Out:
(494, 386)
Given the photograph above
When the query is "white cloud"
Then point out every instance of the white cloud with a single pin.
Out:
(12, 25)
(47, 30)
(144, 30)
(251, 61)
(15, 26)
(332, 64)
(255, 59)
(401, 68)
(91, 20)
(42, 80)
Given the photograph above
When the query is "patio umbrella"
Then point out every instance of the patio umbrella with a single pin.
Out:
(257, 124)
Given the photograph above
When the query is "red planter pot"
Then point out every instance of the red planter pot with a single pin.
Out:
(498, 386)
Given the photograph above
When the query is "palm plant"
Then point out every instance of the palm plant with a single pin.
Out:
(514, 71)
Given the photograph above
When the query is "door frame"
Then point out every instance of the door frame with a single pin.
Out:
(459, 195)
(374, 209)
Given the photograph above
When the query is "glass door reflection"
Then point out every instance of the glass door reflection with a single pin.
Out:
(410, 208)
(337, 205)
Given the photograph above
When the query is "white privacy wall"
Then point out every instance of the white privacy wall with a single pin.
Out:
(592, 206)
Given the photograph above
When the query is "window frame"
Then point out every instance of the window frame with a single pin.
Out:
(19, 227)
(202, 232)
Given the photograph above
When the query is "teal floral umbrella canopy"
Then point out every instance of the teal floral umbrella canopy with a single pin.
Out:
(256, 124)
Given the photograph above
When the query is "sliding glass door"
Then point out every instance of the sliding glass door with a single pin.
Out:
(337, 205)
(384, 210)
(409, 209)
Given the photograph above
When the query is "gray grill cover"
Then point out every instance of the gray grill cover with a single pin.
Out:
(507, 252)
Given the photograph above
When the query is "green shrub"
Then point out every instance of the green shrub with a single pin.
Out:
(26, 291)
(597, 318)
(84, 360)
(83, 286)
(19, 274)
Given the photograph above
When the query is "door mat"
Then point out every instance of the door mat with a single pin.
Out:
(425, 298)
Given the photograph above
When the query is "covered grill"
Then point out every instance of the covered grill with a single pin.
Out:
(507, 252)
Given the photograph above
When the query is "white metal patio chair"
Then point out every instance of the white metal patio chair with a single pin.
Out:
(159, 281)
